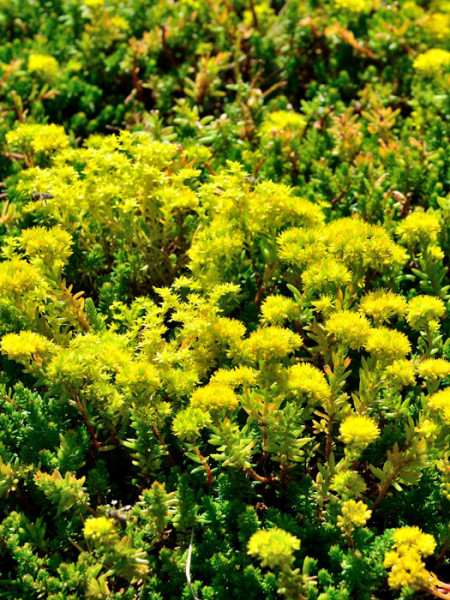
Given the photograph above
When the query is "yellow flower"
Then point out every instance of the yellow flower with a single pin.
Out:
(438, 24)
(101, 531)
(419, 228)
(269, 343)
(324, 305)
(387, 344)
(138, 377)
(432, 62)
(355, 6)
(38, 138)
(326, 275)
(306, 380)
(214, 397)
(405, 560)
(235, 377)
(440, 404)
(45, 66)
(358, 431)
(18, 278)
(348, 484)
(299, 246)
(354, 514)
(424, 309)
(348, 327)
(25, 344)
(382, 305)
(434, 368)
(400, 373)
(273, 547)
(188, 423)
(277, 309)
(414, 537)
(282, 123)
(52, 246)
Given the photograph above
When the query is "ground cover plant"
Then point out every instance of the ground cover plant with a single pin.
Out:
(224, 300)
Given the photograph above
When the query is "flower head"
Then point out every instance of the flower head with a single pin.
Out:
(188, 423)
(400, 373)
(440, 404)
(382, 305)
(25, 344)
(358, 431)
(354, 514)
(354, 6)
(348, 327)
(405, 560)
(269, 343)
(38, 138)
(45, 66)
(101, 531)
(387, 344)
(419, 228)
(432, 62)
(328, 274)
(348, 484)
(273, 547)
(214, 397)
(424, 309)
(50, 246)
(434, 369)
(282, 123)
(233, 378)
(277, 309)
(18, 278)
(306, 380)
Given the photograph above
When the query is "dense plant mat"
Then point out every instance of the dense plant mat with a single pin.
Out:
(224, 300)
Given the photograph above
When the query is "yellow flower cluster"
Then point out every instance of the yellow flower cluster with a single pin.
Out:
(326, 275)
(440, 404)
(25, 344)
(139, 378)
(354, 514)
(423, 310)
(299, 246)
(400, 373)
(272, 206)
(382, 305)
(434, 369)
(358, 243)
(101, 531)
(38, 138)
(349, 328)
(358, 431)
(306, 380)
(270, 342)
(188, 423)
(355, 6)
(52, 246)
(432, 62)
(419, 228)
(438, 24)
(405, 560)
(282, 122)
(387, 345)
(273, 547)
(348, 484)
(45, 66)
(17, 278)
(242, 375)
(214, 397)
(277, 309)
